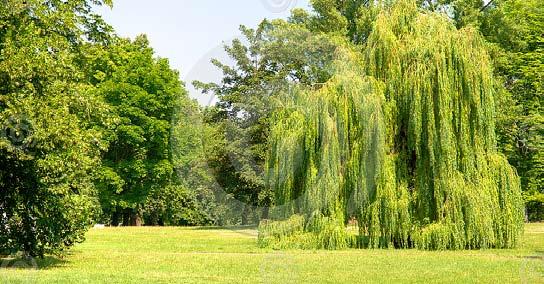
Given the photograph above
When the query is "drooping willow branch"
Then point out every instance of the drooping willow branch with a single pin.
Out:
(402, 140)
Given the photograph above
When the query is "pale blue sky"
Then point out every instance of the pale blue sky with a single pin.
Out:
(190, 32)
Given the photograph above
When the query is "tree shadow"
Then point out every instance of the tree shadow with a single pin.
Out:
(50, 262)
(535, 255)
(231, 228)
(47, 262)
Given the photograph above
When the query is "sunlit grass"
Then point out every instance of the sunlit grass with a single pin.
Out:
(204, 255)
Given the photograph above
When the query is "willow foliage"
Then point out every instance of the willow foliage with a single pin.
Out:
(402, 140)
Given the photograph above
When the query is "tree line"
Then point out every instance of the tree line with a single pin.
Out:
(98, 129)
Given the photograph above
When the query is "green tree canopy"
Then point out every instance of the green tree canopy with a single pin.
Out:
(277, 53)
(47, 152)
(401, 139)
(143, 93)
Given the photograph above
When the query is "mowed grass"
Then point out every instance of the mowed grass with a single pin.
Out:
(208, 255)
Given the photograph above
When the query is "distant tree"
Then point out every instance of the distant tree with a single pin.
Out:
(190, 199)
(278, 53)
(47, 152)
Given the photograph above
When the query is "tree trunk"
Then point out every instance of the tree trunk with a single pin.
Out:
(115, 218)
(244, 215)
(126, 217)
(135, 218)
(265, 214)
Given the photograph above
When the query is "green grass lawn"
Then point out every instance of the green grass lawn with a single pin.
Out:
(204, 255)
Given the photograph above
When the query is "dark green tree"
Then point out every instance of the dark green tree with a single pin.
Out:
(47, 152)
(143, 93)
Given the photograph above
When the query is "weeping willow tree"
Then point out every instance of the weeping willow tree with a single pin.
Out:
(401, 140)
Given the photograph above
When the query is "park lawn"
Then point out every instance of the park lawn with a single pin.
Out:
(211, 255)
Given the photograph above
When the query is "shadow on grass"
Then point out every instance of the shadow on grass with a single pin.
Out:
(48, 262)
(535, 255)
(231, 228)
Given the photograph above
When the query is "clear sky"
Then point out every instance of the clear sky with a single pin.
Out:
(191, 32)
